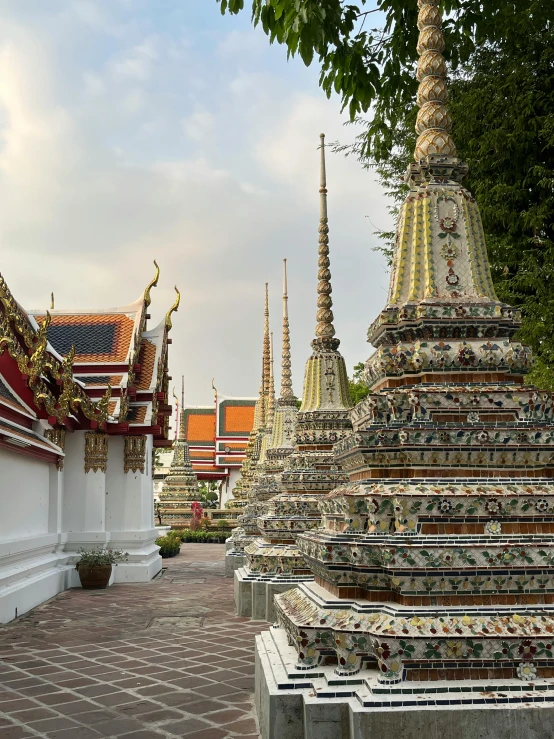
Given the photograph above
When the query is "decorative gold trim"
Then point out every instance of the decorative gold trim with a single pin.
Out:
(57, 437)
(153, 283)
(174, 308)
(96, 452)
(134, 454)
(36, 362)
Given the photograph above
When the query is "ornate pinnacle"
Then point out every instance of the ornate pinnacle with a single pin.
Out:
(266, 363)
(433, 124)
(325, 331)
(286, 373)
(271, 387)
(182, 418)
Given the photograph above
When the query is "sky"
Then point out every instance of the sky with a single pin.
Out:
(133, 130)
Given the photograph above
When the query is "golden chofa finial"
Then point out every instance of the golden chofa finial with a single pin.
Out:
(174, 308)
(433, 124)
(51, 301)
(325, 331)
(153, 283)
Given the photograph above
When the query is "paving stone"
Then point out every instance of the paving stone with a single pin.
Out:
(16, 732)
(207, 734)
(52, 724)
(246, 726)
(200, 708)
(76, 732)
(224, 717)
(216, 690)
(107, 673)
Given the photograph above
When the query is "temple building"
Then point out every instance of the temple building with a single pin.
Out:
(83, 405)
(276, 446)
(432, 608)
(217, 437)
(274, 563)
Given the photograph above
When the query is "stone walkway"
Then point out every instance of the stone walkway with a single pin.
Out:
(145, 661)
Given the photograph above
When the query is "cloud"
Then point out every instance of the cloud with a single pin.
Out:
(205, 159)
(201, 125)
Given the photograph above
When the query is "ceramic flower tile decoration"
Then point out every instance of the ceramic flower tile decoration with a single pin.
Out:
(434, 564)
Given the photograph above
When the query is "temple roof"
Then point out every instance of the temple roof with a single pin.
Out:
(118, 368)
(102, 337)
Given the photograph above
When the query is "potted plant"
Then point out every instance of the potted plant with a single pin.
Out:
(169, 546)
(95, 566)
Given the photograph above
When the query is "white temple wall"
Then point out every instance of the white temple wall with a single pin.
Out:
(31, 570)
(55, 506)
(48, 515)
(25, 496)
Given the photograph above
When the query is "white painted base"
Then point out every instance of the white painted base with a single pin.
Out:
(254, 596)
(233, 562)
(144, 561)
(36, 569)
(243, 593)
(288, 705)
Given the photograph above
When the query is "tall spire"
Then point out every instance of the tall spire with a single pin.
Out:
(271, 387)
(261, 411)
(325, 331)
(434, 123)
(286, 373)
(182, 424)
(266, 370)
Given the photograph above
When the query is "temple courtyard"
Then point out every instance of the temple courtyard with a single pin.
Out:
(166, 658)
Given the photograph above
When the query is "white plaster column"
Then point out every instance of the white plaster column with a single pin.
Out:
(130, 507)
(84, 496)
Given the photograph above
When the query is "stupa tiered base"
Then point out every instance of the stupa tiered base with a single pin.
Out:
(273, 563)
(300, 702)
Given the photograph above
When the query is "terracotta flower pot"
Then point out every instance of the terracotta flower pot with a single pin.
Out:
(94, 578)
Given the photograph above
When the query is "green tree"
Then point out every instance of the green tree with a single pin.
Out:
(374, 67)
(357, 385)
(207, 494)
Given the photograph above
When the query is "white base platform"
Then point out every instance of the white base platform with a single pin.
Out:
(317, 704)
(233, 562)
(36, 569)
(254, 595)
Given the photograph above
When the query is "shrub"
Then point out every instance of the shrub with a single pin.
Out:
(222, 524)
(195, 525)
(169, 545)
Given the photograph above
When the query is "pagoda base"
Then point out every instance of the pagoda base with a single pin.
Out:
(234, 560)
(316, 703)
(254, 593)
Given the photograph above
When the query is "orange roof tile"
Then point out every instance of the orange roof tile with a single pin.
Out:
(201, 455)
(137, 414)
(108, 339)
(239, 418)
(200, 427)
(147, 360)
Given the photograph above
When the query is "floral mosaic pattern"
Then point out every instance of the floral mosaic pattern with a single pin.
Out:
(396, 640)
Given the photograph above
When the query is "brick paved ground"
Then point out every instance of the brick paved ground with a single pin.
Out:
(163, 659)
